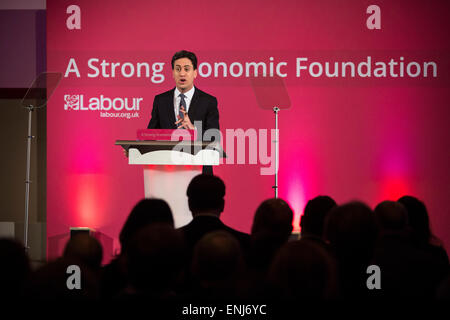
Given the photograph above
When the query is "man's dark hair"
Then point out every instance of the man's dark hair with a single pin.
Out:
(185, 54)
(315, 213)
(206, 192)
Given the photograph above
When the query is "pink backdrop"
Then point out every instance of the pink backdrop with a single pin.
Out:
(350, 138)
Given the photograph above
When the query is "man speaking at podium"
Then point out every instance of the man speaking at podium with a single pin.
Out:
(183, 106)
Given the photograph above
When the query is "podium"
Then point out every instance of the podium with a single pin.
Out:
(169, 166)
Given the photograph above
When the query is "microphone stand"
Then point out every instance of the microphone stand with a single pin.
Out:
(27, 179)
(276, 141)
(40, 91)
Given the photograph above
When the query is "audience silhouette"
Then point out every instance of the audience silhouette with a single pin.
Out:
(352, 231)
(85, 248)
(15, 270)
(312, 222)
(272, 227)
(206, 201)
(155, 258)
(407, 270)
(217, 266)
(146, 212)
(210, 261)
(50, 282)
(302, 270)
(421, 231)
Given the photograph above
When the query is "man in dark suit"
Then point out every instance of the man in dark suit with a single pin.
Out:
(185, 104)
(206, 202)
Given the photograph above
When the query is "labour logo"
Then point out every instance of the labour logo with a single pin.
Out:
(73, 102)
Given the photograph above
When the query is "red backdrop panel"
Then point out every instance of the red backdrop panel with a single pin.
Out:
(351, 138)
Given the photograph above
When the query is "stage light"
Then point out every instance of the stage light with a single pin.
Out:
(81, 230)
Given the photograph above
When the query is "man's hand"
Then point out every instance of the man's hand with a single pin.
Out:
(184, 122)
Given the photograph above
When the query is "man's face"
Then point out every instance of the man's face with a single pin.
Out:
(184, 74)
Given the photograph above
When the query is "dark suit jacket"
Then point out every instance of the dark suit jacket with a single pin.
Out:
(194, 231)
(202, 225)
(203, 108)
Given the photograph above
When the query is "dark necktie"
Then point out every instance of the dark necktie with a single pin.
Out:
(182, 104)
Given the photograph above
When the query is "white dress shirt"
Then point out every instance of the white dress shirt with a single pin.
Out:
(176, 100)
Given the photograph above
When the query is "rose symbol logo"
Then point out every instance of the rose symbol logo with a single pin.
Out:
(72, 102)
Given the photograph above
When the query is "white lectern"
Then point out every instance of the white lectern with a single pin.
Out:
(169, 166)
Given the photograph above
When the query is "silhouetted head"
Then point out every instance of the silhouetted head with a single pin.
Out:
(351, 230)
(303, 269)
(14, 269)
(313, 219)
(206, 194)
(217, 260)
(155, 258)
(85, 248)
(391, 216)
(146, 212)
(417, 218)
(273, 217)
